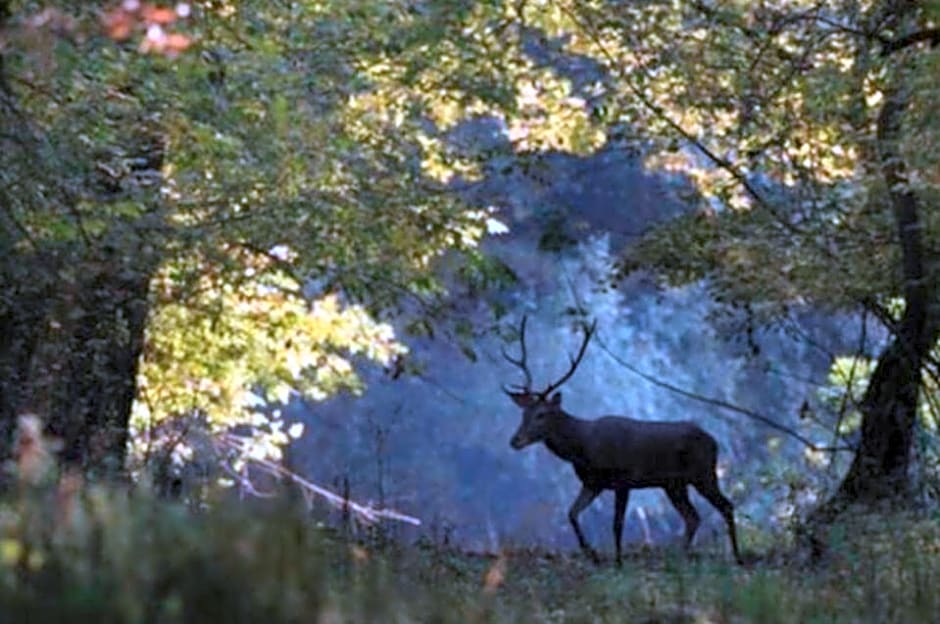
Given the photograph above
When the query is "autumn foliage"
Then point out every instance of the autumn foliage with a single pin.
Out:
(152, 23)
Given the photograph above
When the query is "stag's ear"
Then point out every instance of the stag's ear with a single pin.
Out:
(556, 399)
(522, 399)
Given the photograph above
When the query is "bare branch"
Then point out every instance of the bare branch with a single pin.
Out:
(773, 424)
(931, 35)
(709, 400)
(367, 513)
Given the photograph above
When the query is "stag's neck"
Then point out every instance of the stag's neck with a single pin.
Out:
(566, 438)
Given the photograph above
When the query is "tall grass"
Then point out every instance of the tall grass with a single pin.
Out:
(90, 553)
(77, 552)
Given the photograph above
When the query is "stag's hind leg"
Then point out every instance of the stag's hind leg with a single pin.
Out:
(620, 509)
(679, 496)
(710, 490)
(585, 498)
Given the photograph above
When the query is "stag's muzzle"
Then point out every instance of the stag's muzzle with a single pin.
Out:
(518, 442)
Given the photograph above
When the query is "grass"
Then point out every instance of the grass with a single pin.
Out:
(102, 555)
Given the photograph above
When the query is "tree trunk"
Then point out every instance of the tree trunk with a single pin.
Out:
(73, 306)
(880, 470)
(72, 333)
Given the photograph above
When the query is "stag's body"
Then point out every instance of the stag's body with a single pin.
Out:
(614, 452)
(620, 454)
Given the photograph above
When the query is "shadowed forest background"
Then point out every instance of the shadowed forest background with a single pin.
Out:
(260, 262)
(439, 439)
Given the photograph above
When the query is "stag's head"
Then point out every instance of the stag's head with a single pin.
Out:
(539, 408)
(537, 414)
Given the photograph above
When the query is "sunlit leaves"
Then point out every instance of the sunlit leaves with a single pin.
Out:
(763, 107)
(466, 65)
(279, 182)
(229, 344)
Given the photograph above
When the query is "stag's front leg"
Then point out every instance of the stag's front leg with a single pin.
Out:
(585, 498)
(620, 509)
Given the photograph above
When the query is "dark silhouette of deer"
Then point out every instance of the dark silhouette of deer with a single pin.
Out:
(620, 454)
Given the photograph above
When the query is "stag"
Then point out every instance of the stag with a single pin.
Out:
(619, 453)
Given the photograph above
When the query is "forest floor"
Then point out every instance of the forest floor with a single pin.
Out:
(891, 577)
(96, 555)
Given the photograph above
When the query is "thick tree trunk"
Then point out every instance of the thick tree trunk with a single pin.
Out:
(72, 332)
(880, 470)
(73, 307)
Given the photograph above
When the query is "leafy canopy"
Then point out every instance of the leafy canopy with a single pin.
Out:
(290, 165)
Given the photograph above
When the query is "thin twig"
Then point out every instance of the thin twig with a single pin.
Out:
(847, 395)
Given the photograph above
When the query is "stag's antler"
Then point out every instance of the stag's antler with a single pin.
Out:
(520, 361)
(588, 332)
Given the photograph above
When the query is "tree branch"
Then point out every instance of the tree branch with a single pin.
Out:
(704, 399)
(931, 35)
(366, 512)
(773, 424)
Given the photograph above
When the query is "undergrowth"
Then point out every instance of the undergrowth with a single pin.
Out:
(77, 553)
